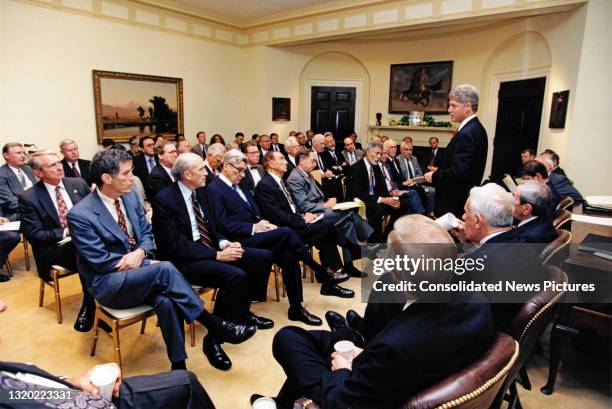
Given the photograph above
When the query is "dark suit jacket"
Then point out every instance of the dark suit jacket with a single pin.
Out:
(359, 182)
(172, 227)
(460, 168)
(40, 221)
(232, 216)
(540, 230)
(281, 148)
(419, 347)
(559, 171)
(330, 163)
(248, 181)
(140, 168)
(274, 206)
(10, 188)
(560, 187)
(290, 167)
(83, 169)
(158, 179)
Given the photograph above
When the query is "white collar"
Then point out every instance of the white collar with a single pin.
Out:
(225, 180)
(52, 188)
(108, 200)
(465, 121)
(276, 178)
(527, 221)
(185, 191)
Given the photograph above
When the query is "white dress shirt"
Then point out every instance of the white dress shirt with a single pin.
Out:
(74, 165)
(195, 232)
(490, 236)
(282, 188)
(110, 206)
(527, 221)
(254, 174)
(465, 121)
(63, 192)
(18, 172)
(351, 157)
(386, 174)
(168, 171)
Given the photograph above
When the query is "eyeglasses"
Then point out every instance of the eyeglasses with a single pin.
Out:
(240, 171)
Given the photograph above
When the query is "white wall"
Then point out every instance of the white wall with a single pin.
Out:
(47, 74)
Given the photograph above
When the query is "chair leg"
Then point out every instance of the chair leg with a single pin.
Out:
(116, 344)
(274, 268)
(58, 302)
(191, 330)
(559, 337)
(143, 326)
(26, 254)
(525, 382)
(214, 296)
(41, 293)
(95, 334)
(9, 268)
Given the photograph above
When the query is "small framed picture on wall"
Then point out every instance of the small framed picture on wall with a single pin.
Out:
(558, 109)
(281, 109)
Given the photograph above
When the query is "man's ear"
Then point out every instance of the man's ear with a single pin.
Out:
(106, 178)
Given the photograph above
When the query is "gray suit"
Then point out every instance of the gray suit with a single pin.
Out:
(308, 196)
(197, 149)
(430, 191)
(358, 156)
(10, 187)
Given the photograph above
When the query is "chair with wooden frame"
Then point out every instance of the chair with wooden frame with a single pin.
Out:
(561, 218)
(57, 273)
(565, 203)
(200, 291)
(551, 253)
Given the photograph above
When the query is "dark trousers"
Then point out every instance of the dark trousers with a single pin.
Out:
(375, 213)
(322, 235)
(164, 288)
(287, 249)
(8, 241)
(238, 282)
(305, 357)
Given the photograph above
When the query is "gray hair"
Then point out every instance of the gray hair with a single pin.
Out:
(318, 138)
(465, 94)
(34, 161)
(493, 204)
(537, 195)
(65, 142)
(10, 145)
(374, 144)
(291, 142)
(233, 157)
(184, 162)
(107, 161)
(216, 149)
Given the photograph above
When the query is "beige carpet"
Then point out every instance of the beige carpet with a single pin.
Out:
(31, 334)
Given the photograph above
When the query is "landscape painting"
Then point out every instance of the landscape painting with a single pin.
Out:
(420, 87)
(137, 105)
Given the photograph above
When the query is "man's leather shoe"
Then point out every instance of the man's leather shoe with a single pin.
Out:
(353, 271)
(331, 276)
(234, 333)
(354, 320)
(215, 354)
(302, 315)
(4, 278)
(336, 290)
(84, 320)
(259, 322)
(335, 320)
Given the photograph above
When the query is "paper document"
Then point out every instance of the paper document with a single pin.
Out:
(420, 179)
(509, 182)
(65, 241)
(346, 206)
(319, 217)
(600, 201)
(10, 226)
(603, 221)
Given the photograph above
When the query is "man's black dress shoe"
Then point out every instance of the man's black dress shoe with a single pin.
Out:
(4, 278)
(234, 333)
(335, 320)
(84, 320)
(354, 320)
(259, 322)
(331, 276)
(336, 290)
(353, 271)
(301, 314)
(215, 354)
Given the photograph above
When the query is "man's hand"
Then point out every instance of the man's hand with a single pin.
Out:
(432, 168)
(330, 203)
(263, 226)
(390, 201)
(428, 176)
(309, 217)
(235, 245)
(328, 174)
(408, 182)
(3, 220)
(340, 362)
(459, 232)
(230, 253)
(131, 260)
(397, 193)
(84, 383)
(65, 234)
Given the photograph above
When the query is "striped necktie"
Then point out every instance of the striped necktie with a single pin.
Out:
(202, 229)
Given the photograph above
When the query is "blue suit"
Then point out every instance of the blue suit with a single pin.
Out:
(540, 230)
(560, 187)
(101, 243)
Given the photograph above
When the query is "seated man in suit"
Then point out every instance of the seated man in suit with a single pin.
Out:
(393, 178)
(212, 164)
(554, 159)
(186, 235)
(275, 146)
(114, 244)
(44, 209)
(161, 175)
(487, 224)
(368, 183)
(254, 171)
(293, 147)
(134, 147)
(332, 186)
(15, 178)
(146, 162)
(265, 146)
(418, 345)
(309, 198)
(278, 206)
(74, 166)
(532, 212)
(527, 155)
(559, 185)
(410, 169)
(350, 153)
(237, 216)
(177, 388)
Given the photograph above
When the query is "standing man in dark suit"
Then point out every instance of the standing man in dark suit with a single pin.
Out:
(186, 236)
(144, 163)
(201, 148)
(254, 171)
(275, 146)
(278, 206)
(161, 175)
(74, 167)
(15, 178)
(44, 209)
(463, 162)
(115, 243)
(532, 212)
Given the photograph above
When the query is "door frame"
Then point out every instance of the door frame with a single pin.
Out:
(307, 92)
(493, 102)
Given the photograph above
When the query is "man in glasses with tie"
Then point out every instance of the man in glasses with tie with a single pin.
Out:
(74, 166)
(114, 243)
(15, 178)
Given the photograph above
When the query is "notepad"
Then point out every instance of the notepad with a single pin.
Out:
(346, 206)
(10, 226)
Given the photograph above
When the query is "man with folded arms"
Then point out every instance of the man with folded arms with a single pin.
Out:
(115, 243)
(44, 209)
(278, 206)
(532, 211)
(74, 166)
(186, 235)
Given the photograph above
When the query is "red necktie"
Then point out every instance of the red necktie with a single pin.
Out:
(62, 209)
(123, 225)
(204, 234)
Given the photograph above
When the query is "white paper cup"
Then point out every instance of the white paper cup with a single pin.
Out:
(264, 403)
(345, 348)
(448, 221)
(103, 378)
